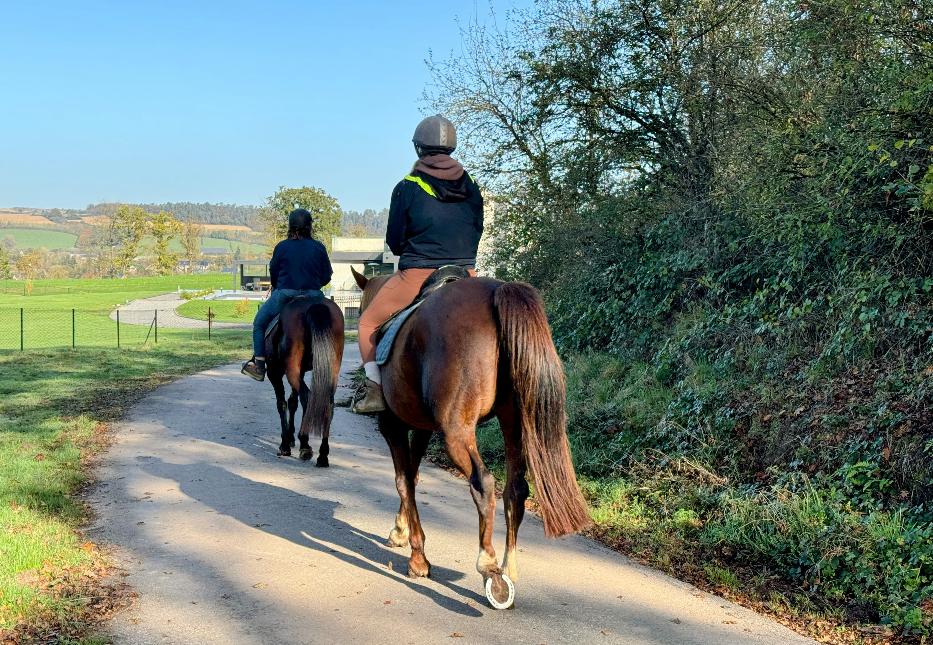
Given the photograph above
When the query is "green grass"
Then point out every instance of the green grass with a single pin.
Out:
(250, 248)
(223, 310)
(52, 404)
(47, 316)
(34, 238)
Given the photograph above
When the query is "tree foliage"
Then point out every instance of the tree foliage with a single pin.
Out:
(324, 209)
(164, 228)
(191, 233)
(741, 185)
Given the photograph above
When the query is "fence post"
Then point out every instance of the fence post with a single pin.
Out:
(72, 329)
(210, 322)
(118, 329)
(155, 322)
(21, 345)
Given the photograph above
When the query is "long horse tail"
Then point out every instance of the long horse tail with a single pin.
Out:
(540, 395)
(319, 334)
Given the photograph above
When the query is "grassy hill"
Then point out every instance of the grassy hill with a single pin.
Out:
(34, 238)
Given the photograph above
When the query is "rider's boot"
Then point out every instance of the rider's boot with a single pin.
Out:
(255, 368)
(373, 401)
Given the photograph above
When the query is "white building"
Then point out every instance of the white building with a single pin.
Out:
(368, 255)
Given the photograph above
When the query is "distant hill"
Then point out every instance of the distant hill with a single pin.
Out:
(205, 213)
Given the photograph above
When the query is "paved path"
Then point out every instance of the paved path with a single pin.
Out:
(226, 543)
(140, 312)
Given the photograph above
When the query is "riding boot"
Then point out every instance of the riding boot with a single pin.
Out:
(373, 402)
(255, 369)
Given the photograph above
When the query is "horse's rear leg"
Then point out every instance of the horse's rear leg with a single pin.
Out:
(396, 435)
(461, 446)
(292, 408)
(281, 406)
(419, 445)
(295, 379)
(516, 486)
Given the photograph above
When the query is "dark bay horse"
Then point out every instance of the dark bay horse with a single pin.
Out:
(476, 349)
(309, 338)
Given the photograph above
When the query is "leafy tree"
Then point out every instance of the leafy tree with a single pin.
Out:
(164, 227)
(124, 232)
(30, 263)
(191, 233)
(6, 270)
(324, 210)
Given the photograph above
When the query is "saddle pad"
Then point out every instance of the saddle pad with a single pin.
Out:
(384, 348)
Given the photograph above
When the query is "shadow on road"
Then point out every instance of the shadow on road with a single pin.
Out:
(308, 522)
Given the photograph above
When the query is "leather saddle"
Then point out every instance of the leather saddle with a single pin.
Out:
(387, 332)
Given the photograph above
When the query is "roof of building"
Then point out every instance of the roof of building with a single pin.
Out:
(355, 257)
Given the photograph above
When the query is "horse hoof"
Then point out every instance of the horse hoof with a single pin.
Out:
(284, 452)
(500, 592)
(419, 571)
(305, 454)
(321, 462)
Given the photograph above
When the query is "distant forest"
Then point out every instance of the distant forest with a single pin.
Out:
(188, 211)
(366, 223)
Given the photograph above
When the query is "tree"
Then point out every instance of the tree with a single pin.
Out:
(191, 233)
(30, 263)
(324, 210)
(125, 231)
(164, 227)
(6, 270)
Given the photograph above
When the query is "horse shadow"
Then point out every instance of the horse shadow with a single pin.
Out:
(222, 491)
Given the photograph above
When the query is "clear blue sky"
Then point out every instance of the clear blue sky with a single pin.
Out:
(215, 101)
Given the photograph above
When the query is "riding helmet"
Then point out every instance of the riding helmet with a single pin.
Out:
(434, 135)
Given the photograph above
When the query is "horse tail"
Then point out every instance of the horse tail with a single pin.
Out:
(319, 334)
(540, 396)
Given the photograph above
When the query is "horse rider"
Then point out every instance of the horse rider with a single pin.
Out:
(299, 267)
(435, 220)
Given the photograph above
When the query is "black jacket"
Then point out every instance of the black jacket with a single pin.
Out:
(428, 231)
(299, 264)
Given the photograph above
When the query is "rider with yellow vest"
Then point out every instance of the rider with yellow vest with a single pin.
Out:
(435, 220)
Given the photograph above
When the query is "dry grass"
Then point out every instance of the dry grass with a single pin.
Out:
(13, 217)
(95, 220)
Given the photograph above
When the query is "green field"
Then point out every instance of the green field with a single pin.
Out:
(52, 405)
(223, 310)
(54, 240)
(34, 238)
(47, 319)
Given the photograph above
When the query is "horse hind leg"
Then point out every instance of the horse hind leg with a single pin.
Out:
(516, 487)
(292, 409)
(281, 406)
(461, 446)
(296, 380)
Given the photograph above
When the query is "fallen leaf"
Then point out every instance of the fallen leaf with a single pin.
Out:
(456, 635)
(676, 621)
(260, 585)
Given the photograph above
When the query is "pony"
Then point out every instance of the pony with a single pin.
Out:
(475, 349)
(309, 336)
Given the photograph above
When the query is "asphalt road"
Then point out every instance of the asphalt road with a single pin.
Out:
(226, 543)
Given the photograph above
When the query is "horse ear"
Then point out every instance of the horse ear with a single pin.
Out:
(361, 280)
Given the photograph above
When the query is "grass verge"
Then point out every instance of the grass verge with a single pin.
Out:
(54, 405)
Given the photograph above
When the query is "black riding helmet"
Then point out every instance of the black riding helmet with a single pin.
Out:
(299, 223)
(435, 135)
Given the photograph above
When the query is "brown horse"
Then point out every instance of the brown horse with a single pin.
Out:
(309, 337)
(476, 349)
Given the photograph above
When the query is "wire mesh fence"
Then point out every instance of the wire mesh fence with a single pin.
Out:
(26, 328)
(23, 328)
